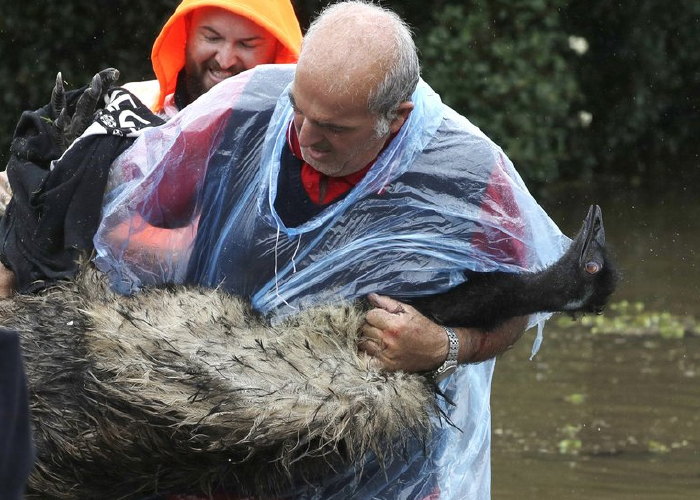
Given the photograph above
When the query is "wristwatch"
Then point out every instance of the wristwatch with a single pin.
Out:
(451, 362)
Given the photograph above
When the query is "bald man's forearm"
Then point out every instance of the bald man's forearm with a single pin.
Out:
(477, 345)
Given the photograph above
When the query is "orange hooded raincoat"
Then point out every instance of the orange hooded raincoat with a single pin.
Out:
(168, 54)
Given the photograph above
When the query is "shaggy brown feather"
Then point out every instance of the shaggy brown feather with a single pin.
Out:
(180, 388)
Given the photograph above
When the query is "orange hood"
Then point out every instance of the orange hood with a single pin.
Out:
(168, 54)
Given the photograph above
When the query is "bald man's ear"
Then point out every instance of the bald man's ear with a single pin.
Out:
(402, 113)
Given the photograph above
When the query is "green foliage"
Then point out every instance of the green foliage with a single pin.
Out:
(78, 38)
(506, 65)
(626, 104)
(640, 81)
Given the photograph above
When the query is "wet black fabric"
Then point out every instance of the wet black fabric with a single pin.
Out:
(55, 210)
(16, 450)
(293, 204)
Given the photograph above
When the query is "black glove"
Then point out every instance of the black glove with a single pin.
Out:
(69, 122)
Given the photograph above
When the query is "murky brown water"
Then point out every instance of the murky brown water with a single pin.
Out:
(609, 416)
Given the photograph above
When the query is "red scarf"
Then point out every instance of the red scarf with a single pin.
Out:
(321, 188)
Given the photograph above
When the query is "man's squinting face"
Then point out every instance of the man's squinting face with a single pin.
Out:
(336, 131)
(221, 44)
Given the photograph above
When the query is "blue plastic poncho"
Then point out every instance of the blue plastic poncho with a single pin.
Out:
(193, 201)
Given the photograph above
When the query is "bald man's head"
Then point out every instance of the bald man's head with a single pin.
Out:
(352, 86)
(365, 51)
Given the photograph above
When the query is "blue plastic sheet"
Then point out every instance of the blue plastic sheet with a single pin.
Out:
(193, 202)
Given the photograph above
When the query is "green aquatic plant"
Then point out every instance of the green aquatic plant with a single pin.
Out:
(575, 399)
(656, 447)
(631, 318)
(571, 444)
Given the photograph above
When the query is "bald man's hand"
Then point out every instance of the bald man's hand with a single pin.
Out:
(398, 337)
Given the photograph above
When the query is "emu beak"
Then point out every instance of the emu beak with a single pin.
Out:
(591, 258)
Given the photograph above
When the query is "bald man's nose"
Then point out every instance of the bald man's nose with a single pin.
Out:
(308, 133)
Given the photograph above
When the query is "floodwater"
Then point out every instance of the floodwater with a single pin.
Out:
(610, 416)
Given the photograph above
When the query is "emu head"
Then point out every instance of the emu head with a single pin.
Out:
(595, 277)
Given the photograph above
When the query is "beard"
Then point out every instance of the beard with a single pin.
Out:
(196, 76)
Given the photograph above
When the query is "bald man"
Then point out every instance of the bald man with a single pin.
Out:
(353, 178)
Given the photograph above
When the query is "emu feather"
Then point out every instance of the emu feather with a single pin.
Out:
(177, 388)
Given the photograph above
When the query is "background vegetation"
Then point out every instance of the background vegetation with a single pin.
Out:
(573, 90)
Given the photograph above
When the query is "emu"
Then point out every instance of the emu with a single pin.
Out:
(178, 387)
(581, 281)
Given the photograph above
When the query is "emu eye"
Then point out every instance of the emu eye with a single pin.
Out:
(592, 267)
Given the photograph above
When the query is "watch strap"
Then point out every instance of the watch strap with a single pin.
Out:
(453, 350)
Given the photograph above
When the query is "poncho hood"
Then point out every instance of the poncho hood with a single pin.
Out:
(168, 54)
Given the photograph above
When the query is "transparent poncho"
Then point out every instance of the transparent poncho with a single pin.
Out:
(193, 202)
